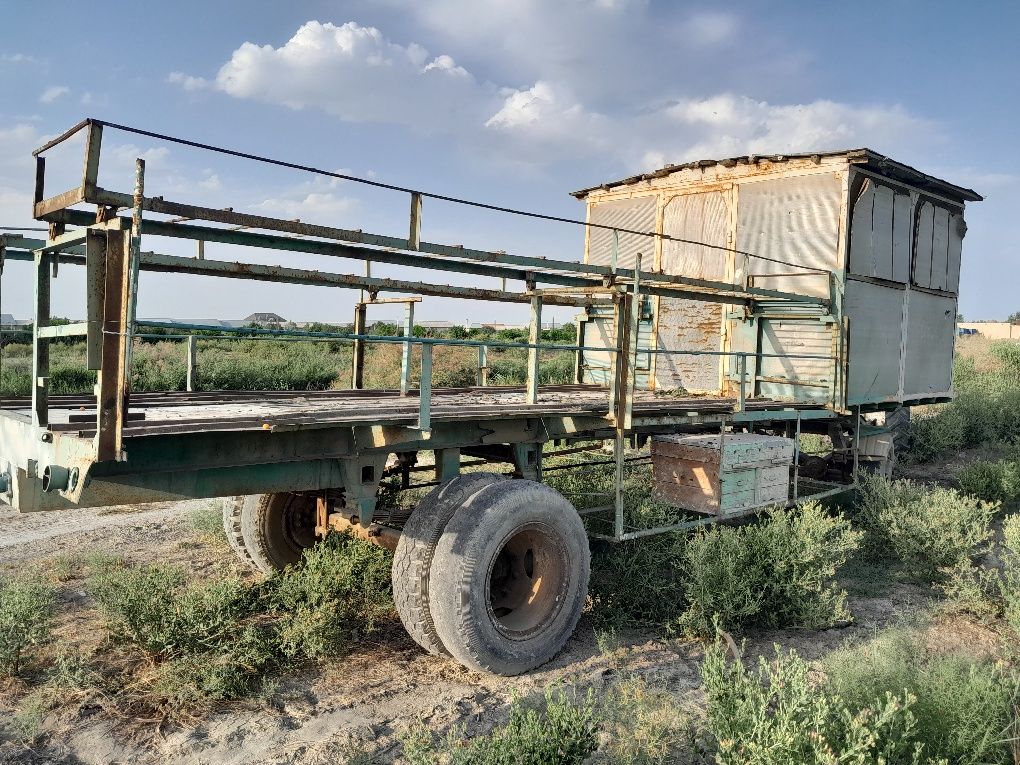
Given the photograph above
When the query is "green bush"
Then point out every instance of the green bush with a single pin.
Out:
(152, 607)
(218, 640)
(990, 592)
(927, 529)
(773, 716)
(337, 596)
(562, 731)
(777, 573)
(992, 481)
(26, 619)
(962, 710)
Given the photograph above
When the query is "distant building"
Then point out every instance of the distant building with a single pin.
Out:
(994, 330)
(265, 318)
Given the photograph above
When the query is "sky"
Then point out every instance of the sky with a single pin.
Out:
(512, 102)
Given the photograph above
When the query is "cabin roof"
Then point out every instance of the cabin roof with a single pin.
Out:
(868, 158)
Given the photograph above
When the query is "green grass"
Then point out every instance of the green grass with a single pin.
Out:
(559, 731)
(772, 714)
(963, 707)
(997, 481)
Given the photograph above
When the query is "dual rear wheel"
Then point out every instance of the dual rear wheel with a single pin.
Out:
(490, 571)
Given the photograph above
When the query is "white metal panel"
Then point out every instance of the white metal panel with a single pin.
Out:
(903, 232)
(789, 337)
(637, 214)
(795, 220)
(931, 323)
(874, 315)
(698, 217)
(862, 256)
(922, 245)
(940, 249)
(882, 232)
(956, 231)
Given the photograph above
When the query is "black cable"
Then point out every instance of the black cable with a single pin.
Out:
(424, 194)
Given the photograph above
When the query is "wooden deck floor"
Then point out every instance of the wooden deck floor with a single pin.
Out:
(156, 413)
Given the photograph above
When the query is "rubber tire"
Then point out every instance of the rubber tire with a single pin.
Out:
(412, 560)
(257, 529)
(463, 562)
(898, 423)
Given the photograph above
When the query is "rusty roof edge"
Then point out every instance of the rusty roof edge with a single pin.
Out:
(874, 161)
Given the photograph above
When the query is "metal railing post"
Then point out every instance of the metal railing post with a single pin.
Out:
(796, 461)
(41, 345)
(425, 389)
(742, 371)
(136, 257)
(192, 363)
(405, 355)
(358, 351)
(482, 377)
(534, 336)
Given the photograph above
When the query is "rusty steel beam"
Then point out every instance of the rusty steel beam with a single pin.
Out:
(112, 404)
(374, 533)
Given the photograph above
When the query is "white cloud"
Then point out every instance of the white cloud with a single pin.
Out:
(18, 58)
(352, 72)
(710, 28)
(728, 124)
(315, 207)
(52, 93)
(357, 74)
(187, 82)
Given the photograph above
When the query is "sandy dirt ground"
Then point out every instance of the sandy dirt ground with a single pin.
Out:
(365, 699)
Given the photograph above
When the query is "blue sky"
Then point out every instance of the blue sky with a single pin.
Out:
(516, 102)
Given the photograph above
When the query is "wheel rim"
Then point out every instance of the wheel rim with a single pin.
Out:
(527, 582)
(297, 524)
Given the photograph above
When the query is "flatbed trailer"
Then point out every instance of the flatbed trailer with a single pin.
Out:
(492, 566)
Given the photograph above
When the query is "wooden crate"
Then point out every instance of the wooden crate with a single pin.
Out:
(724, 476)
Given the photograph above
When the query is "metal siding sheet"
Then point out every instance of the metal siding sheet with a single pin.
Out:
(882, 232)
(689, 325)
(793, 219)
(931, 322)
(700, 217)
(875, 318)
(600, 333)
(637, 214)
(922, 245)
(956, 229)
(902, 233)
(940, 249)
(790, 337)
(692, 325)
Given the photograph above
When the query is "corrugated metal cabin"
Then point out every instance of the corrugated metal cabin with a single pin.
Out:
(880, 240)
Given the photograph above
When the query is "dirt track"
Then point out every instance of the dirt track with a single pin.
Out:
(365, 700)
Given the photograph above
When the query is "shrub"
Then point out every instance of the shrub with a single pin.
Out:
(992, 481)
(962, 707)
(772, 716)
(562, 731)
(780, 572)
(337, 596)
(990, 592)
(927, 529)
(26, 619)
(152, 607)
